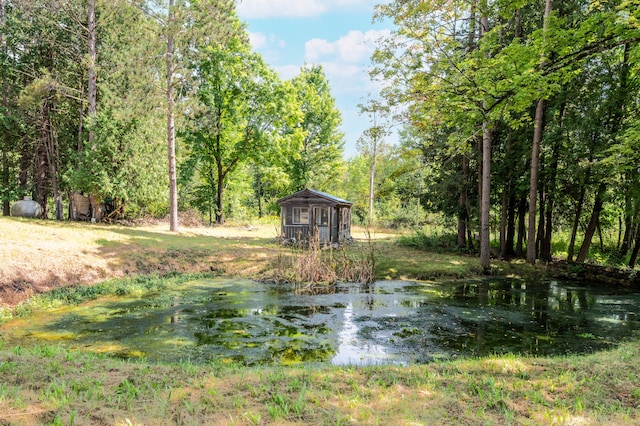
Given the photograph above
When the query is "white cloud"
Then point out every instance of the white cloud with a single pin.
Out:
(316, 49)
(248, 9)
(288, 71)
(258, 40)
(355, 47)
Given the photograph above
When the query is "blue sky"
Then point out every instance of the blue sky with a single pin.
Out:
(337, 34)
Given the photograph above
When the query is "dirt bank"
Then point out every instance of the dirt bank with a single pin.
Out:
(37, 255)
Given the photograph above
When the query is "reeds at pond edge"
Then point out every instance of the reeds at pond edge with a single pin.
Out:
(311, 262)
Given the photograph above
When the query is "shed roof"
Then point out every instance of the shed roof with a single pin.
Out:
(312, 193)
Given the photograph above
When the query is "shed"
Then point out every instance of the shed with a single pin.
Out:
(309, 210)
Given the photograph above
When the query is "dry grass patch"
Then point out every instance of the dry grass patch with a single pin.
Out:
(38, 255)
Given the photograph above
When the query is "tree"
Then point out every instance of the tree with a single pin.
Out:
(371, 143)
(4, 113)
(187, 26)
(317, 160)
(171, 129)
(537, 138)
(464, 89)
(240, 107)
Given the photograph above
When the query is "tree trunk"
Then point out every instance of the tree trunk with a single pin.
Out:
(626, 237)
(50, 141)
(463, 217)
(6, 208)
(41, 172)
(511, 226)
(545, 248)
(92, 86)
(522, 216)
(535, 153)
(372, 174)
(576, 223)
(171, 129)
(504, 209)
(533, 182)
(259, 191)
(485, 184)
(540, 232)
(593, 224)
(635, 251)
(485, 229)
(219, 194)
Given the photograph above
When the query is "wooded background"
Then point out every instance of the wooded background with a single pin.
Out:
(518, 119)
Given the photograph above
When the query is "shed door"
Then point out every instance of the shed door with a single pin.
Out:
(322, 222)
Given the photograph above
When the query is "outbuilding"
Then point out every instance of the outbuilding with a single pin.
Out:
(309, 211)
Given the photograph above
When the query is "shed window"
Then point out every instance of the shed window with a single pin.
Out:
(322, 216)
(300, 216)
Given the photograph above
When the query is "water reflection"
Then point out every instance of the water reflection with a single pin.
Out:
(387, 322)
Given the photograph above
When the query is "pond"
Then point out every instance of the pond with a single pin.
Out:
(395, 322)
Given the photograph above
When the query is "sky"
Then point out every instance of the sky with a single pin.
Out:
(337, 34)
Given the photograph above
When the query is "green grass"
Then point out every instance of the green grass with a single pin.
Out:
(55, 385)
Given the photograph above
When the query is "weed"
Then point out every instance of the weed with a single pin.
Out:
(57, 393)
(279, 408)
(253, 418)
(127, 391)
(312, 263)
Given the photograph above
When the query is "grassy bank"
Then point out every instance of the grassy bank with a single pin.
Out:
(51, 385)
(44, 264)
(40, 256)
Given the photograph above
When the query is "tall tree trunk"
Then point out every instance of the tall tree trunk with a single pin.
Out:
(506, 195)
(50, 141)
(545, 248)
(485, 200)
(511, 226)
(522, 216)
(540, 232)
(259, 191)
(372, 175)
(171, 129)
(545, 245)
(485, 226)
(636, 250)
(504, 210)
(27, 158)
(219, 194)
(533, 182)
(465, 240)
(535, 153)
(41, 164)
(593, 223)
(627, 238)
(92, 84)
(463, 217)
(6, 208)
(576, 223)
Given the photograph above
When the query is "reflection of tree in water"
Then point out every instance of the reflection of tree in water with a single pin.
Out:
(176, 312)
(418, 322)
(503, 316)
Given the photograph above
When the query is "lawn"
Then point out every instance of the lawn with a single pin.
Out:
(60, 262)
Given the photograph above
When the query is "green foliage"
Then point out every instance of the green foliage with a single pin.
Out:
(315, 161)
(241, 104)
(436, 242)
(457, 84)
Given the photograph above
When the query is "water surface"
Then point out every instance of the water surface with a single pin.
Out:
(385, 322)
